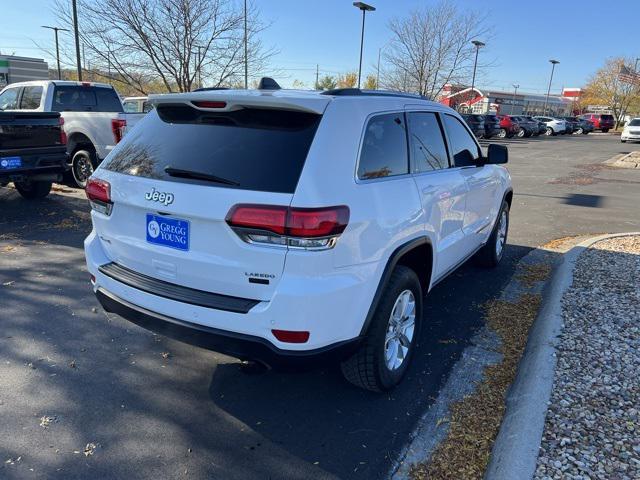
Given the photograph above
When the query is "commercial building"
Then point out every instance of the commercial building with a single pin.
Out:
(20, 69)
(506, 103)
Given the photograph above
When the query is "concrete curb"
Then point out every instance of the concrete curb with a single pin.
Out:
(515, 451)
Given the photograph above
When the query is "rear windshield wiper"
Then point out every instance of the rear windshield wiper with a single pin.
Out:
(178, 172)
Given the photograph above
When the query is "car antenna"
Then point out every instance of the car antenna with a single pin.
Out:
(268, 83)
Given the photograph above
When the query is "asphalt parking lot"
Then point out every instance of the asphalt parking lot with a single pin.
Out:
(155, 408)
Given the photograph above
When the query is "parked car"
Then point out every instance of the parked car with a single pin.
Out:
(134, 109)
(475, 123)
(508, 128)
(87, 110)
(631, 131)
(528, 127)
(491, 126)
(542, 127)
(33, 151)
(191, 233)
(554, 125)
(601, 122)
(579, 125)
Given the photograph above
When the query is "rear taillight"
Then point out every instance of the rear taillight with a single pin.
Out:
(307, 228)
(99, 194)
(63, 134)
(117, 127)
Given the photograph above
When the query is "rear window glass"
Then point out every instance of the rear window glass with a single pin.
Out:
(606, 117)
(384, 148)
(30, 98)
(72, 98)
(250, 149)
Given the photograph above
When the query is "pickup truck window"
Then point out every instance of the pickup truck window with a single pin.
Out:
(72, 98)
(463, 147)
(384, 149)
(9, 99)
(428, 150)
(31, 97)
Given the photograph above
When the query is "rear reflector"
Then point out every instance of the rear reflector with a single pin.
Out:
(99, 194)
(288, 336)
(209, 104)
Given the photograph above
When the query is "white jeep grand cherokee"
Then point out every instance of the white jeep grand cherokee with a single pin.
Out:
(293, 228)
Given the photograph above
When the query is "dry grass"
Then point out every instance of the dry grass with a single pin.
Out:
(475, 420)
(533, 274)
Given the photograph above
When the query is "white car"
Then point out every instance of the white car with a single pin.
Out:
(554, 125)
(88, 110)
(293, 228)
(631, 131)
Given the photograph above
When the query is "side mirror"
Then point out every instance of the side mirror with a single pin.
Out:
(497, 154)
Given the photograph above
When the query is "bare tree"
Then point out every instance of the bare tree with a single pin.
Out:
(169, 45)
(430, 48)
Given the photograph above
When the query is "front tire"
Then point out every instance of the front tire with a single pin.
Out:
(382, 359)
(549, 132)
(493, 251)
(502, 133)
(32, 190)
(83, 163)
(579, 131)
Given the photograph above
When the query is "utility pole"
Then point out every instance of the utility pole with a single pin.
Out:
(317, 76)
(246, 58)
(546, 101)
(56, 30)
(77, 37)
(515, 91)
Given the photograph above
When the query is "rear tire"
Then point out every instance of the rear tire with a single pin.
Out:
(32, 190)
(376, 365)
(502, 133)
(83, 163)
(605, 130)
(623, 141)
(549, 132)
(493, 251)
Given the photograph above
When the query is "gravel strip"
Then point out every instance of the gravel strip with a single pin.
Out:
(592, 428)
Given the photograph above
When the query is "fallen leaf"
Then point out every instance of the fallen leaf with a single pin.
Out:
(166, 354)
(89, 449)
(47, 420)
(6, 284)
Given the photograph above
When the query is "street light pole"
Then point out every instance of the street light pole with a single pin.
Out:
(478, 44)
(246, 40)
(546, 101)
(56, 30)
(515, 91)
(378, 70)
(365, 8)
(77, 37)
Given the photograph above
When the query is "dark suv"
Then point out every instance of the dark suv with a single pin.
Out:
(476, 124)
(491, 126)
(528, 126)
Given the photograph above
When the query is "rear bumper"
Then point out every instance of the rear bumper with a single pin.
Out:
(245, 347)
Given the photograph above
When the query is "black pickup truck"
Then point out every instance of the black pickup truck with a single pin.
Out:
(33, 152)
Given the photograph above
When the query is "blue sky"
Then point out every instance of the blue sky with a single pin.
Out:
(581, 34)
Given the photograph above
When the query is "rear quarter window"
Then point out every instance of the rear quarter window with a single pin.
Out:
(252, 149)
(384, 148)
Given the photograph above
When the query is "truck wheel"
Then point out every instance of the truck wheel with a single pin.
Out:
(83, 163)
(31, 190)
(493, 251)
(384, 355)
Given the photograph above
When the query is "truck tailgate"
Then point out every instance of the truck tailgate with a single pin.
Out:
(29, 130)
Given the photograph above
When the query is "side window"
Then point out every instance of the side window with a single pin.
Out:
(147, 107)
(9, 99)
(384, 149)
(71, 98)
(426, 142)
(30, 98)
(464, 148)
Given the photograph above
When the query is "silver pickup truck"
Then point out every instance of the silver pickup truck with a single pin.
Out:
(87, 109)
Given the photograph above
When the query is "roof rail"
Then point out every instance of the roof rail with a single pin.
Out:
(357, 92)
(208, 89)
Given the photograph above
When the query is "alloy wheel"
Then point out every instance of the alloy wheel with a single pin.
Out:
(400, 330)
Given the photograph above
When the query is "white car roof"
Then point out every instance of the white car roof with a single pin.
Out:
(44, 83)
(301, 100)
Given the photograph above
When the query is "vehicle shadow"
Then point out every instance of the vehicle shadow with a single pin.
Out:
(352, 433)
